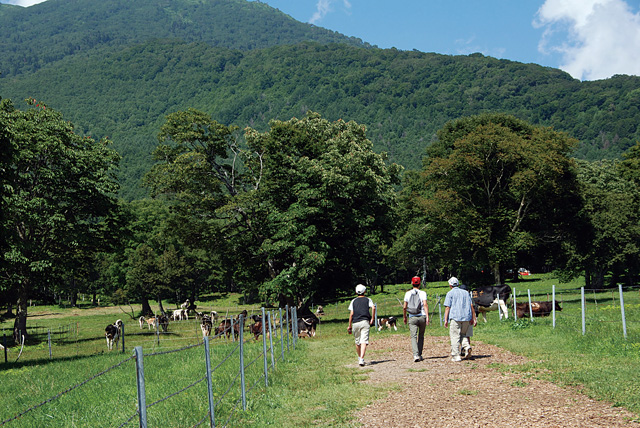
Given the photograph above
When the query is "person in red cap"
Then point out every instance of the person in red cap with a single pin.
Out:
(416, 309)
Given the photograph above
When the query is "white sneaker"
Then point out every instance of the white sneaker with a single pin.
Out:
(456, 358)
(361, 361)
(416, 358)
(467, 353)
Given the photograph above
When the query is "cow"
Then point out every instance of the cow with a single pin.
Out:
(538, 309)
(320, 310)
(308, 323)
(256, 329)
(206, 325)
(151, 322)
(387, 322)
(488, 298)
(163, 321)
(112, 333)
(180, 314)
(225, 328)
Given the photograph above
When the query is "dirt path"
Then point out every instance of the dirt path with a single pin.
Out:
(439, 393)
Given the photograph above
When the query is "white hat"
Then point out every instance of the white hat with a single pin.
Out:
(453, 281)
(360, 289)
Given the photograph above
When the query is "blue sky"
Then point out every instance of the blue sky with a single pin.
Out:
(589, 39)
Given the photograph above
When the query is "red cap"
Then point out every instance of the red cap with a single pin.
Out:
(415, 280)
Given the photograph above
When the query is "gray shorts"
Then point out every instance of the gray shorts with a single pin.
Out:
(361, 332)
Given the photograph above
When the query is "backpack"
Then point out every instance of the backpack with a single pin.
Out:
(414, 305)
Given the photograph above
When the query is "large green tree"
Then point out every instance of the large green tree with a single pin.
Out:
(62, 189)
(328, 201)
(495, 189)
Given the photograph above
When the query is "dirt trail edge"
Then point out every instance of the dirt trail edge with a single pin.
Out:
(437, 392)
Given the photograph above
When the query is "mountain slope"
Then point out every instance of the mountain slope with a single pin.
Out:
(47, 32)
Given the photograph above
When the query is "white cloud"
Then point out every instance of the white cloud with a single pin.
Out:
(24, 3)
(323, 7)
(602, 36)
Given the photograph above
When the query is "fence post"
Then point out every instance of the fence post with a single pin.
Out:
(156, 325)
(294, 325)
(122, 334)
(624, 321)
(49, 341)
(4, 343)
(273, 362)
(288, 326)
(582, 303)
(243, 388)
(515, 313)
(142, 403)
(439, 310)
(281, 336)
(553, 303)
(375, 306)
(530, 309)
(207, 358)
(264, 351)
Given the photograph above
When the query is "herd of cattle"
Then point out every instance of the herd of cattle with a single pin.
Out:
(307, 324)
(485, 299)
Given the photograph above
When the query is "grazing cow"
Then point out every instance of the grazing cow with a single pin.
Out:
(151, 322)
(206, 325)
(163, 321)
(308, 323)
(141, 320)
(179, 315)
(256, 329)
(225, 328)
(320, 311)
(244, 314)
(489, 298)
(538, 309)
(214, 316)
(112, 333)
(387, 322)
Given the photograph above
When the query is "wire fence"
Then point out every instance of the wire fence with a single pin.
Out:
(237, 373)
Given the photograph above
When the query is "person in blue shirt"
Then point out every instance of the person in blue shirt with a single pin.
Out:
(460, 317)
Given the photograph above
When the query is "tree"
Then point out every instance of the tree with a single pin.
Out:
(64, 186)
(609, 239)
(327, 201)
(496, 187)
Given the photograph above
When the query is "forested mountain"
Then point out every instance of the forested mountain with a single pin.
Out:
(246, 63)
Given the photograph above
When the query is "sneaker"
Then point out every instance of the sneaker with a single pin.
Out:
(467, 353)
(417, 358)
(456, 358)
(361, 361)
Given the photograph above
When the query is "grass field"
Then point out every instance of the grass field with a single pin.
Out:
(312, 385)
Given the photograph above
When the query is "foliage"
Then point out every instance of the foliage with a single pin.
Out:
(62, 189)
(327, 199)
(403, 97)
(494, 186)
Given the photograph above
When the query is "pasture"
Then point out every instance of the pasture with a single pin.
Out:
(315, 384)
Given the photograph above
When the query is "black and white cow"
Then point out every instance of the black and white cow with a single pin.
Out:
(112, 333)
(206, 325)
(489, 298)
(308, 323)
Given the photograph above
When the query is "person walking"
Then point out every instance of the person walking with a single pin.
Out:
(460, 317)
(360, 321)
(416, 309)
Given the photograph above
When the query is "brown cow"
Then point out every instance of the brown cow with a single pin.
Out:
(538, 309)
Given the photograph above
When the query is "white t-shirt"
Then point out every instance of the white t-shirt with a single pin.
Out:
(423, 297)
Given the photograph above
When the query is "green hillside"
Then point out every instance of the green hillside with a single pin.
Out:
(123, 86)
(45, 33)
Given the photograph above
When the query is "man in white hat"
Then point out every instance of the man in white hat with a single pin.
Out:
(459, 313)
(360, 320)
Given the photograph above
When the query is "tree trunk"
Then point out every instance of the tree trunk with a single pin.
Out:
(146, 307)
(587, 278)
(20, 323)
(94, 298)
(160, 305)
(74, 298)
(497, 276)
